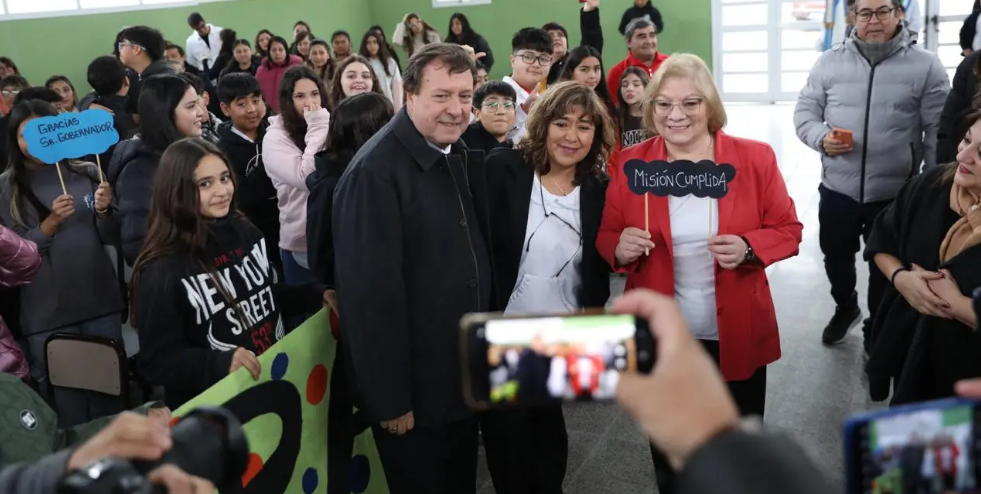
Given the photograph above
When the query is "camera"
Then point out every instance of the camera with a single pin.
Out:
(208, 443)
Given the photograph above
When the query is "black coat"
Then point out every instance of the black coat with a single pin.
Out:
(409, 227)
(922, 355)
(478, 138)
(322, 184)
(957, 106)
(134, 164)
(510, 179)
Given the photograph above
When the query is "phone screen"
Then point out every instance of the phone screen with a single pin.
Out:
(558, 358)
(929, 451)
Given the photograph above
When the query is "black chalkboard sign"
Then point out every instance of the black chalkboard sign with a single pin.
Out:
(679, 178)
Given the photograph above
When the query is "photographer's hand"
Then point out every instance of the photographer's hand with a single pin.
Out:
(129, 436)
(700, 405)
(179, 482)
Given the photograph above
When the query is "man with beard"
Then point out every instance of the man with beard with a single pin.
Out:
(410, 222)
(641, 36)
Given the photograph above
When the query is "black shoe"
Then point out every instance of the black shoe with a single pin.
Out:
(837, 328)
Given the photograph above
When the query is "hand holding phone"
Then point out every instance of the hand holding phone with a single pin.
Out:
(527, 361)
(838, 141)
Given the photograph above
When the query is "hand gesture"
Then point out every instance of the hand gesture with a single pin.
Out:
(161, 415)
(914, 286)
(62, 207)
(400, 425)
(532, 98)
(247, 359)
(330, 300)
(473, 56)
(947, 290)
(129, 436)
(634, 243)
(590, 5)
(834, 147)
(729, 250)
(103, 195)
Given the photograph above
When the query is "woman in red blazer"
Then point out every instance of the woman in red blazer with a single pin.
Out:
(709, 254)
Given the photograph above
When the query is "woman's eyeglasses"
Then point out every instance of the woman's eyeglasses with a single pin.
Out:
(664, 108)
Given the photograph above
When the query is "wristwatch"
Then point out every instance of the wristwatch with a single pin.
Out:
(750, 253)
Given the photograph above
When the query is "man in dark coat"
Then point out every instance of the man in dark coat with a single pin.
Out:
(411, 259)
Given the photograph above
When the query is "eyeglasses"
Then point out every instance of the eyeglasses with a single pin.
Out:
(124, 44)
(495, 105)
(529, 58)
(882, 14)
(10, 92)
(549, 215)
(663, 108)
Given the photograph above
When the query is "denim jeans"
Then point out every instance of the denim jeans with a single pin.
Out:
(295, 273)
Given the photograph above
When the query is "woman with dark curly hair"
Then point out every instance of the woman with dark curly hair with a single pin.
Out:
(547, 197)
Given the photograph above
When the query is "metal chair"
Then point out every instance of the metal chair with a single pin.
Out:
(89, 363)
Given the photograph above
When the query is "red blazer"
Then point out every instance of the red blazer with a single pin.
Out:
(756, 208)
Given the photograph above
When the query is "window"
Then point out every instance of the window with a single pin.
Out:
(458, 3)
(25, 9)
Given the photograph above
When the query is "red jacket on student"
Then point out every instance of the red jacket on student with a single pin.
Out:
(757, 208)
(613, 79)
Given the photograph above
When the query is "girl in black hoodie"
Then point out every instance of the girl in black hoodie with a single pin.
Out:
(353, 122)
(205, 302)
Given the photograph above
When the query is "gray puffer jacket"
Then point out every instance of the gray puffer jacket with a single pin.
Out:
(892, 108)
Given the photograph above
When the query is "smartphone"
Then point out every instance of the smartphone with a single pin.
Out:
(527, 361)
(843, 135)
(927, 448)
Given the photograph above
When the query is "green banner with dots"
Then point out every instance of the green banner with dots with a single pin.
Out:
(284, 414)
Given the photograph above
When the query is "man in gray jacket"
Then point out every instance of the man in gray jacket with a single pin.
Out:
(886, 94)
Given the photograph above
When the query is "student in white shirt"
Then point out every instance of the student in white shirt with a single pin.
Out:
(531, 59)
(204, 44)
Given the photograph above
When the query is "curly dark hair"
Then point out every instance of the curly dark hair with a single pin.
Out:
(559, 100)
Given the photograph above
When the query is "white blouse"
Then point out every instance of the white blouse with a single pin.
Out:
(549, 274)
(389, 83)
(694, 221)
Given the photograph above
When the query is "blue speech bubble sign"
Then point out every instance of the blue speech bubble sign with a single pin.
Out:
(70, 135)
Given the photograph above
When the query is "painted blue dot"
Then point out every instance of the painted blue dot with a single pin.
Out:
(360, 473)
(279, 365)
(310, 481)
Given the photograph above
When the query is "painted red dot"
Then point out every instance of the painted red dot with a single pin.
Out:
(335, 325)
(317, 384)
(253, 468)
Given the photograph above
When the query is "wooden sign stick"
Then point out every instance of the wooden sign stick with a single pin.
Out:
(61, 179)
(647, 221)
(98, 165)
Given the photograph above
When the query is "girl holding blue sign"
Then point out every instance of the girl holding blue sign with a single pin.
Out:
(718, 214)
(71, 221)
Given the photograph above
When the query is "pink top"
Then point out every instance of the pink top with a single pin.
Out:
(288, 167)
(270, 75)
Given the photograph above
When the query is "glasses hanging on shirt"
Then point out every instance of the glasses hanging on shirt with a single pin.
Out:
(548, 215)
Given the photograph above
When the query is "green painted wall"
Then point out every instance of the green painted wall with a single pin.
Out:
(688, 24)
(28, 42)
(45, 46)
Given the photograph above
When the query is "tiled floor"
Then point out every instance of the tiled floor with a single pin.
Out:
(811, 390)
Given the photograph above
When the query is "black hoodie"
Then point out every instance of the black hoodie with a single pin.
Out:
(189, 329)
(477, 137)
(635, 12)
(135, 83)
(134, 163)
(255, 195)
(320, 206)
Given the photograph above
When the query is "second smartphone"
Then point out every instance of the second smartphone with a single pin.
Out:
(527, 361)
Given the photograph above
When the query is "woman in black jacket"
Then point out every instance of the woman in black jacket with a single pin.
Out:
(462, 34)
(170, 111)
(928, 243)
(204, 296)
(546, 201)
(353, 122)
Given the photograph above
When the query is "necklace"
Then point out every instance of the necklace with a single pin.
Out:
(557, 186)
(704, 152)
